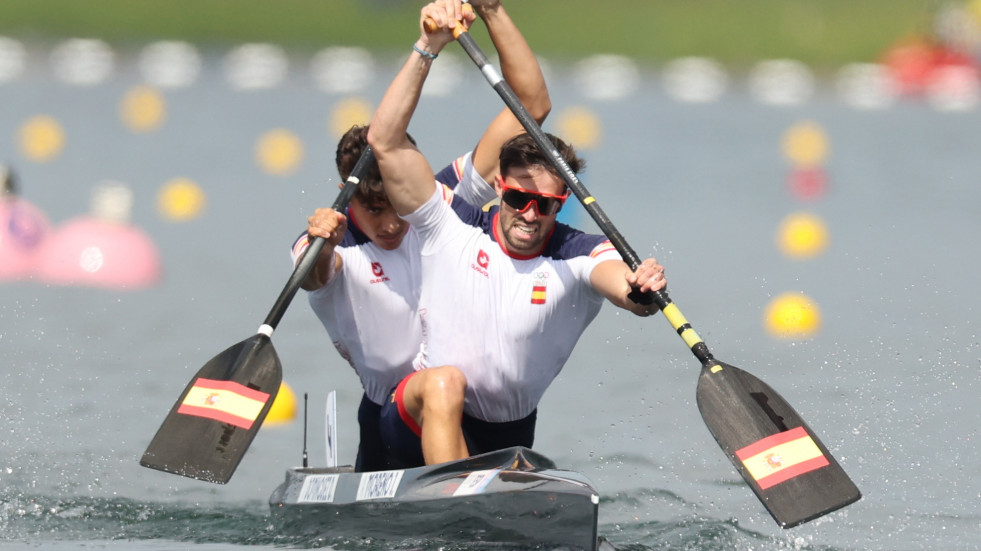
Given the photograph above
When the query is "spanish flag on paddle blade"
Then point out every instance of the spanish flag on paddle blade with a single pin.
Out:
(782, 456)
(224, 401)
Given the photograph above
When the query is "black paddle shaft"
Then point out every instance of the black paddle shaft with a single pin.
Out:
(661, 298)
(313, 251)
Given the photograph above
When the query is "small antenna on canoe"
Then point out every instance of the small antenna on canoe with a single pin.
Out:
(306, 458)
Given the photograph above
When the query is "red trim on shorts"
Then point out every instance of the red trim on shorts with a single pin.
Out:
(404, 413)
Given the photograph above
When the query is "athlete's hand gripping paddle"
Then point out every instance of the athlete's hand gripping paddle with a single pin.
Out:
(788, 468)
(215, 419)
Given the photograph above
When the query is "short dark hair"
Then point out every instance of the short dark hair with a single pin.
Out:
(370, 190)
(521, 151)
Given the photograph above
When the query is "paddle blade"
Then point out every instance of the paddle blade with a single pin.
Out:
(211, 425)
(779, 456)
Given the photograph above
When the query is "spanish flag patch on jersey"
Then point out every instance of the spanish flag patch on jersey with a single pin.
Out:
(538, 294)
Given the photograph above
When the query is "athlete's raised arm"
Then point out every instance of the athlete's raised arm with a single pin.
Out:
(406, 173)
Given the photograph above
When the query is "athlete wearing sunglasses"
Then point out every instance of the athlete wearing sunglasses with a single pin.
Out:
(530, 198)
(521, 200)
(532, 194)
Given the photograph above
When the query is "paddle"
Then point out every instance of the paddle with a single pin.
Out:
(771, 446)
(215, 419)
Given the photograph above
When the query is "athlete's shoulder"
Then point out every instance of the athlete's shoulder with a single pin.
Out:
(568, 242)
(463, 178)
(452, 174)
(472, 215)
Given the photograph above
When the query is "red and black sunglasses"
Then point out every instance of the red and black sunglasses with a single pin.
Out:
(520, 200)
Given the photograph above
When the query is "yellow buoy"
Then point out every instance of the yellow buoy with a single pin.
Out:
(792, 315)
(806, 144)
(581, 127)
(348, 113)
(142, 109)
(802, 235)
(180, 200)
(279, 151)
(283, 409)
(41, 138)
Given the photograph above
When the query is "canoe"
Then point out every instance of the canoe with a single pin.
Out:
(511, 497)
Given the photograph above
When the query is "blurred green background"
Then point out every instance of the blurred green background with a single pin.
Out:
(822, 33)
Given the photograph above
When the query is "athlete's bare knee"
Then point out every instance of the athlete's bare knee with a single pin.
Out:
(445, 387)
(449, 379)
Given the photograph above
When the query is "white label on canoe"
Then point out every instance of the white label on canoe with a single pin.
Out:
(476, 482)
(318, 488)
(379, 485)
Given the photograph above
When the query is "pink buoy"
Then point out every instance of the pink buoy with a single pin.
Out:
(101, 249)
(808, 183)
(23, 227)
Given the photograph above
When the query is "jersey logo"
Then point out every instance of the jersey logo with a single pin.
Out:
(483, 261)
(379, 273)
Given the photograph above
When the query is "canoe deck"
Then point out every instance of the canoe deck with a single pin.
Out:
(509, 497)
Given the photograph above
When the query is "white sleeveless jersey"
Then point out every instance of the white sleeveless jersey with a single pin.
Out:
(509, 324)
(369, 307)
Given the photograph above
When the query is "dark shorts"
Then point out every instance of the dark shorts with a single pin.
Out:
(371, 449)
(400, 433)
